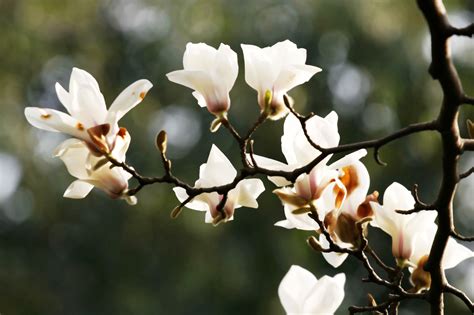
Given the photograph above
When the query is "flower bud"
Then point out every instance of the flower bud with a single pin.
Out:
(315, 244)
(470, 128)
(161, 141)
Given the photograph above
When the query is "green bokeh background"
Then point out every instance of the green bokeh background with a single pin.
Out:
(101, 256)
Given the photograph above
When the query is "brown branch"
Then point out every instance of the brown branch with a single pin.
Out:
(467, 145)
(419, 205)
(467, 100)
(461, 237)
(463, 31)
(466, 173)
(443, 70)
(461, 295)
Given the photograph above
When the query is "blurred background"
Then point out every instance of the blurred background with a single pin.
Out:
(101, 256)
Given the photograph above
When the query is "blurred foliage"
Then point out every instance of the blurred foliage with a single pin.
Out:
(99, 256)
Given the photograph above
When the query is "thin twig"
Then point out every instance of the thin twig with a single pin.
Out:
(461, 295)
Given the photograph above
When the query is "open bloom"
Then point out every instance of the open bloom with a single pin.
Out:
(88, 118)
(276, 69)
(216, 172)
(454, 254)
(93, 171)
(403, 228)
(301, 293)
(211, 73)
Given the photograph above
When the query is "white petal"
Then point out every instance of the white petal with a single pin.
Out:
(63, 96)
(397, 197)
(285, 224)
(334, 259)
(199, 57)
(248, 191)
(201, 100)
(197, 80)
(260, 72)
(195, 204)
(87, 102)
(294, 75)
(128, 99)
(217, 171)
(53, 120)
(75, 155)
(78, 190)
(326, 296)
(273, 165)
(455, 254)
(226, 67)
(349, 159)
(294, 287)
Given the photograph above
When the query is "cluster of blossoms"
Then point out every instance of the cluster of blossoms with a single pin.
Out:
(336, 192)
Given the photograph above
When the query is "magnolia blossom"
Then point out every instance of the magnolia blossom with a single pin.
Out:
(302, 294)
(95, 171)
(323, 187)
(88, 117)
(211, 73)
(276, 70)
(403, 228)
(216, 172)
(454, 254)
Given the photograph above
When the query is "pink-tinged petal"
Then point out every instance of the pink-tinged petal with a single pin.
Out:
(128, 99)
(294, 288)
(294, 75)
(78, 190)
(63, 96)
(53, 120)
(326, 296)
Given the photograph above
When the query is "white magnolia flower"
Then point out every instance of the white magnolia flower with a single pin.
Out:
(216, 172)
(302, 294)
(322, 187)
(211, 73)
(454, 254)
(276, 69)
(92, 171)
(88, 117)
(403, 228)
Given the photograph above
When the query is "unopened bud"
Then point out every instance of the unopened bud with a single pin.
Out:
(470, 128)
(176, 212)
(371, 299)
(161, 141)
(315, 244)
(218, 219)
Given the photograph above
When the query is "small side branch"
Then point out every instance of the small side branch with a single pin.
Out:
(419, 205)
(463, 31)
(461, 237)
(461, 295)
(467, 173)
